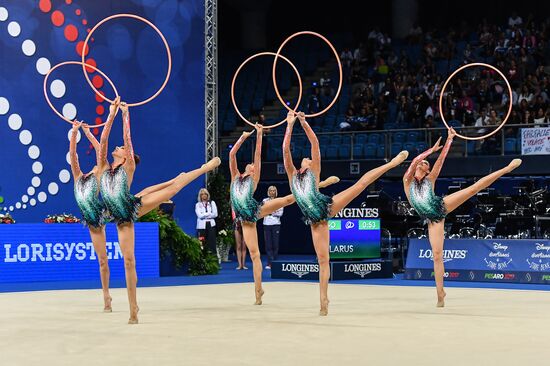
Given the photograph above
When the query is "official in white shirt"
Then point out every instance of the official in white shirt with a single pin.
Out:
(272, 227)
(206, 211)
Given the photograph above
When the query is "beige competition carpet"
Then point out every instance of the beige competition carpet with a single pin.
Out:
(218, 325)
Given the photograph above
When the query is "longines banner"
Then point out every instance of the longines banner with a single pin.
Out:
(345, 270)
(492, 260)
(64, 252)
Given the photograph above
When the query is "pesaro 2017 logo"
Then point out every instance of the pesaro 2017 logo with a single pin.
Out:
(300, 269)
(539, 259)
(499, 257)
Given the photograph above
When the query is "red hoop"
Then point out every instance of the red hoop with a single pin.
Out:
(163, 40)
(73, 63)
(237, 73)
(443, 92)
(278, 54)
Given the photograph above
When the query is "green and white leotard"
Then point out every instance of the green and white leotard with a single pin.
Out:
(86, 193)
(246, 208)
(428, 206)
(314, 205)
(122, 205)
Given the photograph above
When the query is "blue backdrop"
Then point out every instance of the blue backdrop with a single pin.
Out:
(168, 133)
(526, 261)
(64, 252)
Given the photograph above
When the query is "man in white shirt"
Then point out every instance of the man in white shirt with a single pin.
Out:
(272, 226)
(481, 121)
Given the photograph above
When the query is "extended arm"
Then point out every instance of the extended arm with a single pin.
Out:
(233, 167)
(104, 140)
(409, 174)
(315, 150)
(287, 156)
(436, 169)
(75, 166)
(93, 141)
(128, 147)
(258, 153)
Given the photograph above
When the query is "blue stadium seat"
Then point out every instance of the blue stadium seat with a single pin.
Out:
(399, 137)
(421, 147)
(510, 145)
(336, 139)
(396, 147)
(323, 149)
(346, 139)
(471, 147)
(370, 151)
(374, 138)
(332, 152)
(455, 123)
(410, 147)
(344, 152)
(381, 151)
(360, 138)
(413, 136)
(358, 152)
(324, 140)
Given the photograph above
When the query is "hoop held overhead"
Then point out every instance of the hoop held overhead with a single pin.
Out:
(237, 73)
(278, 54)
(74, 63)
(443, 92)
(163, 40)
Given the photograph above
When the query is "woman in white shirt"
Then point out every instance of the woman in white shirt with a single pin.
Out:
(272, 226)
(206, 211)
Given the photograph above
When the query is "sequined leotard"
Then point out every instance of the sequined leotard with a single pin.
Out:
(429, 206)
(122, 205)
(314, 205)
(86, 193)
(242, 199)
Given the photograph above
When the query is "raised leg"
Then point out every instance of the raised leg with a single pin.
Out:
(454, 200)
(126, 239)
(155, 198)
(273, 205)
(342, 199)
(99, 241)
(320, 236)
(436, 235)
(251, 240)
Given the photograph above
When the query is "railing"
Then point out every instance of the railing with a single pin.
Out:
(494, 145)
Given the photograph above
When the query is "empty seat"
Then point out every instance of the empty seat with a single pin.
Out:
(370, 151)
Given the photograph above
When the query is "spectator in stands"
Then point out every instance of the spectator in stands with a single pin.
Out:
(514, 20)
(326, 85)
(540, 118)
(482, 120)
(525, 95)
(314, 103)
(403, 109)
(415, 33)
(346, 57)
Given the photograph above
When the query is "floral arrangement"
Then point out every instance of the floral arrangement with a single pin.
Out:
(226, 240)
(6, 219)
(63, 218)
